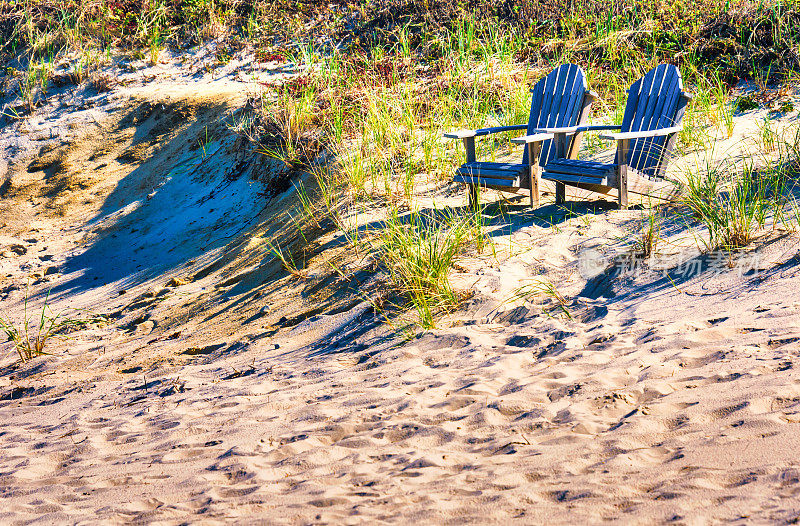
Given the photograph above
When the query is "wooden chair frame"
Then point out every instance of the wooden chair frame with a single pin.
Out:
(531, 174)
(621, 176)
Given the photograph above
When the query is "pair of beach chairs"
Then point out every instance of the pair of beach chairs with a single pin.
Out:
(559, 109)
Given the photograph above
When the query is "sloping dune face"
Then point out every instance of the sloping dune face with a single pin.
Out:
(225, 389)
(159, 198)
(180, 194)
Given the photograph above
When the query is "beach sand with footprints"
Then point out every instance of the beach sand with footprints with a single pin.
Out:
(223, 389)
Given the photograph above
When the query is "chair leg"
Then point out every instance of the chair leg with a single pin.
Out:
(623, 189)
(534, 171)
(560, 142)
(561, 193)
(622, 172)
(472, 190)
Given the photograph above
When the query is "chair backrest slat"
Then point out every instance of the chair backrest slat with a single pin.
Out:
(643, 117)
(537, 95)
(550, 94)
(632, 104)
(651, 149)
(559, 87)
(556, 100)
(646, 95)
(653, 103)
(568, 99)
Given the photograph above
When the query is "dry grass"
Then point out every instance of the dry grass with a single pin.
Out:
(30, 335)
(401, 73)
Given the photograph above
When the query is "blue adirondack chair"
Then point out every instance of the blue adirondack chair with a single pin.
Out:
(561, 99)
(650, 125)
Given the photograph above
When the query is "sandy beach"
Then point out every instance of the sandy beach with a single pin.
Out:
(222, 388)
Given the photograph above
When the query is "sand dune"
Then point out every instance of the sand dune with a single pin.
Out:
(227, 391)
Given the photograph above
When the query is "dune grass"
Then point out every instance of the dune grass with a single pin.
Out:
(736, 198)
(418, 253)
(732, 210)
(384, 80)
(31, 333)
(615, 41)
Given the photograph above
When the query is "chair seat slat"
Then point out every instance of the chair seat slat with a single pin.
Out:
(570, 178)
(487, 181)
(488, 172)
(577, 167)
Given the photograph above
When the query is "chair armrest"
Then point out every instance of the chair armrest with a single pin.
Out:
(562, 129)
(463, 134)
(599, 127)
(536, 137)
(576, 129)
(641, 134)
